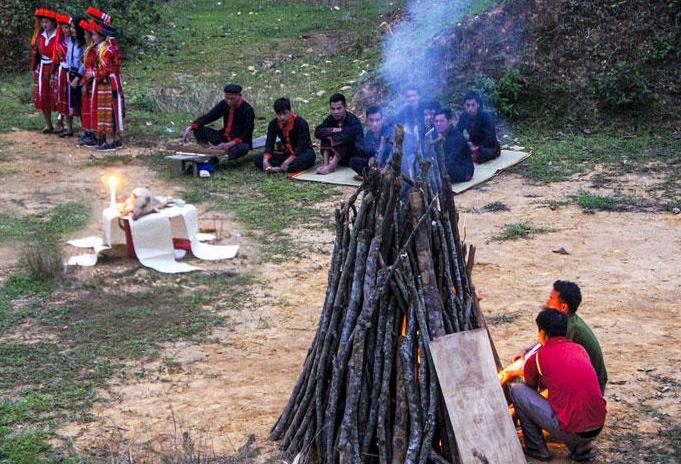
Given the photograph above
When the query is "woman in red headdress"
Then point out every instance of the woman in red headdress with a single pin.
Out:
(115, 78)
(88, 120)
(44, 42)
(61, 72)
(103, 96)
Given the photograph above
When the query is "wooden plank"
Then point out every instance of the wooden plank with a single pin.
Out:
(474, 399)
(181, 156)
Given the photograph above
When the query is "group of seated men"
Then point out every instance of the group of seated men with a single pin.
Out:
(564, 380)
(342, 138)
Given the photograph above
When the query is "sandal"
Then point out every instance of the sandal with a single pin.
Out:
(66, 134)
(48, 130)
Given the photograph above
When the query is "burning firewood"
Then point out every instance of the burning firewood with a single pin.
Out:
(368, 391)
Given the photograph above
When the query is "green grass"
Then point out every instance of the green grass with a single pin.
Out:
(95, 328)
(51, 224)
(590, 202)
(495, 207)
(301, 50)
(269, 206)
(519, 230)
(647, 151)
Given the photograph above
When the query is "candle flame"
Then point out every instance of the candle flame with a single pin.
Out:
(112, 181)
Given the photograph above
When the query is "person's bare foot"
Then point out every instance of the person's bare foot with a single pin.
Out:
(323, 170)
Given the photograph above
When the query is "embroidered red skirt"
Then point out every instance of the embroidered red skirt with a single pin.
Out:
(42, 87)
(61, 90)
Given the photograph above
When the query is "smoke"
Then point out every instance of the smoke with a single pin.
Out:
(411, 52)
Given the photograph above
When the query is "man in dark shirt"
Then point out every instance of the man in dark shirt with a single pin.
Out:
(575, 410)
(479, 124)
(296, 152)
(429, 109)
(377, 144)
(457, 154)
(341, 135)
(238, 119)
(412, 114)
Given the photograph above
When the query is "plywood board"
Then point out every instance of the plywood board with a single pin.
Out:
(475, 401)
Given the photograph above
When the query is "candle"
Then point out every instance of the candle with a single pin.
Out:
(112, 181)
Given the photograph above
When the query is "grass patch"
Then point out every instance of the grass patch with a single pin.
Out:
(519, 230)
(267, 205)
(558, 158)
(590, 202)
(501, 319)
(95, 328)
(495, 207)
(46, 225)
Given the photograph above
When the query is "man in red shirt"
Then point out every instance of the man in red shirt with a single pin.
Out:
(575, 410)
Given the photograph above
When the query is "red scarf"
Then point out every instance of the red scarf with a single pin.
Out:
(286, 129)
(230, 119)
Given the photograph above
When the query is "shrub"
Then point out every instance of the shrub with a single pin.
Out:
(506, 92)
(42, 261)
(620, 87)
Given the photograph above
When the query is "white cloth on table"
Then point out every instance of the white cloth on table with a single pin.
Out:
(152, 238)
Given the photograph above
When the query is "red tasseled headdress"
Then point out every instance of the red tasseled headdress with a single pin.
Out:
(99, 15)
(41, 13)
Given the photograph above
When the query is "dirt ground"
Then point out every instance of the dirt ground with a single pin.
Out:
(224, 390)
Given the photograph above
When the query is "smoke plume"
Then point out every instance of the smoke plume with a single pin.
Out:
(411, 55)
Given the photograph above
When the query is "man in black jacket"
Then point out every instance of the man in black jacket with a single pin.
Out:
(296, 153)
(411, 116)
(341, 135)
(377, 144)
(238, 120)
(458, 161)
(482, 136)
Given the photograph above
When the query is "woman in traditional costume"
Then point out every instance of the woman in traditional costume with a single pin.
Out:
(60, 80)
(115, 78)
(88, 120)
(104, 94)
(44, 43)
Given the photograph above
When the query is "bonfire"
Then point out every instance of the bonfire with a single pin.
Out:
(368, 391)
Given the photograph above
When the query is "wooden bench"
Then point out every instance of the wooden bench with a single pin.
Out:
(189, 157)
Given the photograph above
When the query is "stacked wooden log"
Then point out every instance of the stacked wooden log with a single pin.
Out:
(368, 391)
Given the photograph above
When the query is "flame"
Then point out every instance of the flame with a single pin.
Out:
(403, 330)
(111, 180)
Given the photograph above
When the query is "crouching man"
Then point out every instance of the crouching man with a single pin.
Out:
(296, 153)
(575, 410)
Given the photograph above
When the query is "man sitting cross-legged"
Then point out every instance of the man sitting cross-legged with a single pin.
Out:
(377, 145)
(457, 154)
(292, 130)
(479, 124)
(238, 119)
(575, 410)
(341, 135)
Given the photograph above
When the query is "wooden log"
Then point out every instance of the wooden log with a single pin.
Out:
(407, 351)
(384, 421)
(426, 268)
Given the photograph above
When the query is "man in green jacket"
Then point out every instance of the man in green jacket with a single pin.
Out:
(566, 298)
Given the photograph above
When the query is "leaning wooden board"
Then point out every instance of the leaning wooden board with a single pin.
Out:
(475, 402)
